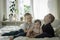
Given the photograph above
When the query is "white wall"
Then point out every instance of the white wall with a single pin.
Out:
(59, 8)
(43, 7)
(1, 9)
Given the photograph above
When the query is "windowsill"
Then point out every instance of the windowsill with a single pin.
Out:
(11, 21)
(4, 23)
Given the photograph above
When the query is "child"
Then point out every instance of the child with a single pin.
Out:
(25, 26)
(47, 28)
(35, 30)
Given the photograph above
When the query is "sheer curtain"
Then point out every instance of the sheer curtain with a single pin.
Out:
(43, 7)
(40, 8)
(2, 9)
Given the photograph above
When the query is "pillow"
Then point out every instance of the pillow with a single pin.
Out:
(7, 29)
(57, 31)
(26, 38)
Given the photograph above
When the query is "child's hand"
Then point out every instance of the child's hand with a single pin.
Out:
(25, 30)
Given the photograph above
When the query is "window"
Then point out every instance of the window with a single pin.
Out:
(24, 7)
(38, 8)
(18, 7)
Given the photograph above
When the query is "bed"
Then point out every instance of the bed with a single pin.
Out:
(6, 29)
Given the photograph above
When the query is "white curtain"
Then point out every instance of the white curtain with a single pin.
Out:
(43, 7)
(2, 10)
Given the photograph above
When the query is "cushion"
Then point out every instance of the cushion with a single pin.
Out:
(26, 38)
(57, 31)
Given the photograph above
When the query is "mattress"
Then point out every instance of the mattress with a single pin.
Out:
(26, 38)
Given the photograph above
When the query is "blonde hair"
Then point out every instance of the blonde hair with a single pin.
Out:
(26, 14)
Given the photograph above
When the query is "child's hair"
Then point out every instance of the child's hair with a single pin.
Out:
(37, 21)
(27, 14)
(52, 17)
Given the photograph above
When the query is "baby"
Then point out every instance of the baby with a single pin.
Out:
(35, 30)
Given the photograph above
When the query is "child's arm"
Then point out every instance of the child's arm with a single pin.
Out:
(29, 32)
(34, 34)
(25, 30)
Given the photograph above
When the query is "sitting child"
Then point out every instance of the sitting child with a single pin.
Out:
(35, 30)
(47, 29)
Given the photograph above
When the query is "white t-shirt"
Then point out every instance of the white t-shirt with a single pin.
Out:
(26, 26)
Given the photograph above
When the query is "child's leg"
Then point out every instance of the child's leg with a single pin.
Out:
(12, 33)
(20, 34)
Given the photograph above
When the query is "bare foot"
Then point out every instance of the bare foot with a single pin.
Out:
(11, 38)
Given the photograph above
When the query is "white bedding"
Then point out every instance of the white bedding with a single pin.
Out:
(4, 38)
(26, 38)
(7, 29)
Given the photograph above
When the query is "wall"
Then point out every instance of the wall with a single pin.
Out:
(1, 10)
(58, 8)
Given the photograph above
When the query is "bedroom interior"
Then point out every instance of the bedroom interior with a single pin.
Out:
(38, 9)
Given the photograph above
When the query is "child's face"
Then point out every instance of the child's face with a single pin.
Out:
(37, 25)
(28, 18)
(47, 19)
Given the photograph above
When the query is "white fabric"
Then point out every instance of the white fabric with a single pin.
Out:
(26, 38)
(25, 26)
(7, 29)
(4, 38)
